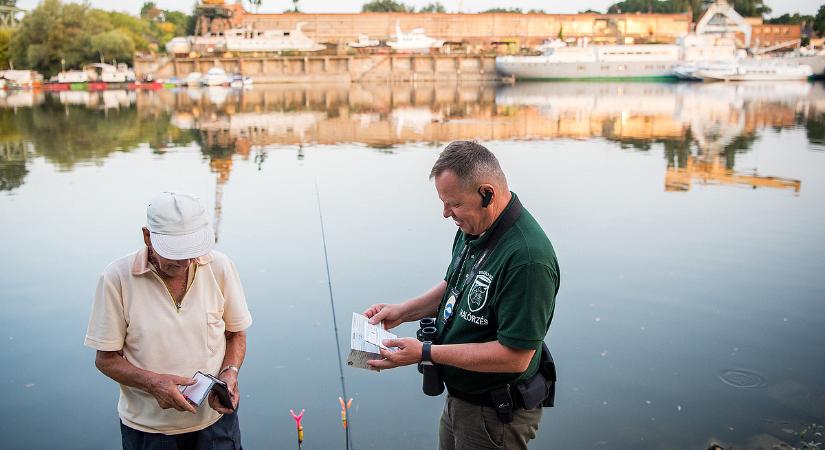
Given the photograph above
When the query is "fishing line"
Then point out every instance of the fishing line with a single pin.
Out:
(332, 306)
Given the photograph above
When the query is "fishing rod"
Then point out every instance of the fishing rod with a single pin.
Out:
(348, 422)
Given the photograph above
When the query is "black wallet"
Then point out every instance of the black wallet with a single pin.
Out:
(204, 384)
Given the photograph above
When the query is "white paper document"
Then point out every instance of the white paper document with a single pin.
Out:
(365, 341)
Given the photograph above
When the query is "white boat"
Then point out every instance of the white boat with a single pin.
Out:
(73, 76)
(215, 77)
(194, 79)
(714, 42)
(250, 40)
(364, 41)
(584, 61)
(689, 72)
(597, 61)
(22, 78)
(179, 45)
(757, 71)
(415, 40)
(108, 73)
(238, 81)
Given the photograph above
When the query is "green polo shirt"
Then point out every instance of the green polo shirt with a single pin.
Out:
(511, 299)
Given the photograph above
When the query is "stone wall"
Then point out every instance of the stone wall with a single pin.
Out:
(321, 68)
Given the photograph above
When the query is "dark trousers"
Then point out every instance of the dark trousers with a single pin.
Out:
(225, 434)
(465, 426)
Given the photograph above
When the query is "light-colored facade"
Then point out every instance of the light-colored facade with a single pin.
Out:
(478, 30)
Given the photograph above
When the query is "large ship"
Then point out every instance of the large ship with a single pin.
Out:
(583, 61)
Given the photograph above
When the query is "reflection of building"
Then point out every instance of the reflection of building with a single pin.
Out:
(720, 120)
(713, 171)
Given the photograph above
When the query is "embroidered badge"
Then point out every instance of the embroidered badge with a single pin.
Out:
(478, 292)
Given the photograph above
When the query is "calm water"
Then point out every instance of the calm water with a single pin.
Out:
(688, 220)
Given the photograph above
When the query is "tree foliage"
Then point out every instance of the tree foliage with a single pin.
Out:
(55, 34)
(5, 39)
(503, 10)
(819, 21)
(791, 19)
(436, 7)
(748, 8)
(386, 6)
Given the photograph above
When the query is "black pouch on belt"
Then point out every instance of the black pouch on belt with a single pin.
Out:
(533, 391)
(547, 368)
(503, 403)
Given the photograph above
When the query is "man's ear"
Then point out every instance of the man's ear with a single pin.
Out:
(146, 239)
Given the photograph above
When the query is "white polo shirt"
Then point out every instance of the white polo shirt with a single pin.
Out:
(133, 312)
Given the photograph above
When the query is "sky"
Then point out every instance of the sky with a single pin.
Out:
(350, 6)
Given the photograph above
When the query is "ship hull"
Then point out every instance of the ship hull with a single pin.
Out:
(538, 68)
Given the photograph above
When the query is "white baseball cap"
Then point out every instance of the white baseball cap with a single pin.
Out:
(179, 226)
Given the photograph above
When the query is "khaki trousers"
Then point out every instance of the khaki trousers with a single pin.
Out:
(465, 426)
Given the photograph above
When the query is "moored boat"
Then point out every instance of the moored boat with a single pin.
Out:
(756, 71)
(251, 40)
(215, 77)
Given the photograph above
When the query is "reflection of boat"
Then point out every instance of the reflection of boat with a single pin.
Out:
(364, 41)
(217, 94)
(249, 40)
(215, 77)
(416, 40)
(751, 71)
(194, 79)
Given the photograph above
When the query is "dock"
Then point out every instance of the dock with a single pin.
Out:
(394, 67)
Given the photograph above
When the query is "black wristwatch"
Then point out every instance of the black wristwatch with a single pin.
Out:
(426, 357)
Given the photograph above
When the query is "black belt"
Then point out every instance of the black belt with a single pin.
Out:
(485, 399)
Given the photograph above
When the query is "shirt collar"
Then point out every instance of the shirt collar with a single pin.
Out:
(476, 241)
(141, 263)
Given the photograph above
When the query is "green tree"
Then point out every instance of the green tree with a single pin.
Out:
(149, 10)
(503, 10)
(751, 8)
(113, 45)
(386, 6)
(51, 33)
(255, 4)
(5, 39)
(819, 21)
(436, 7)
(788, 19)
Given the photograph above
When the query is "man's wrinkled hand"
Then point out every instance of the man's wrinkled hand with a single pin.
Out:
(164, 388)
(230, 377)
(389, 314)
(408, 352)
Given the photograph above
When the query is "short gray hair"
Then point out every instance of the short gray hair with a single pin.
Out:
(471, 162)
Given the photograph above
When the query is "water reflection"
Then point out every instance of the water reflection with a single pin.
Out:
(702, 127)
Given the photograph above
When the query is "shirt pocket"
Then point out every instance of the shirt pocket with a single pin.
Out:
(215, 327)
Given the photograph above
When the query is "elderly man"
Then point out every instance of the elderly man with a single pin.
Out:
(493, 308)
(163, 313)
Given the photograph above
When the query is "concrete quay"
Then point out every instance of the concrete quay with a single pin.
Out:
(398, 67)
